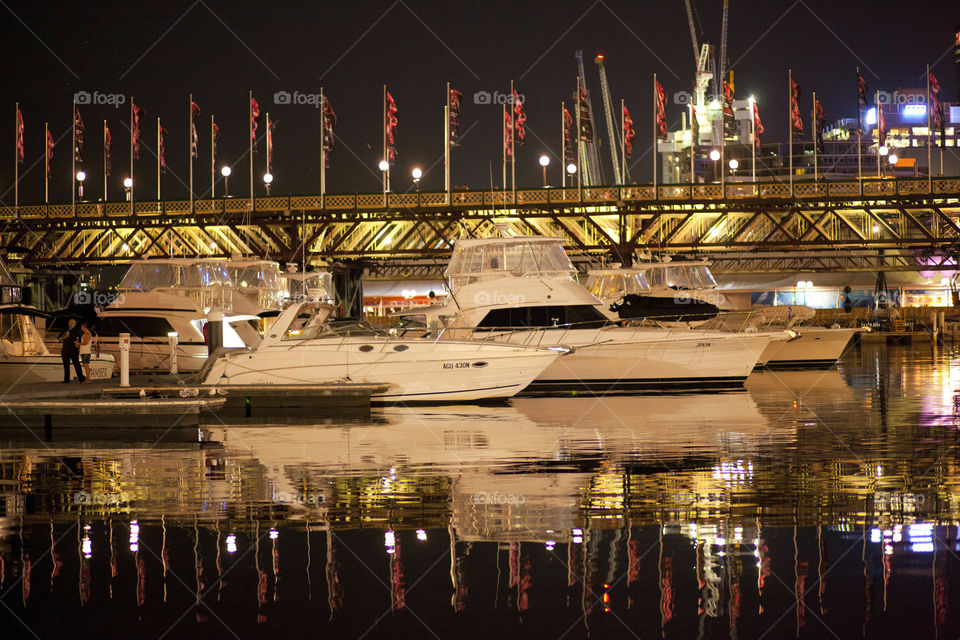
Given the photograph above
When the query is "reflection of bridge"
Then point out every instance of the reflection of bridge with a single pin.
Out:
(844, 225)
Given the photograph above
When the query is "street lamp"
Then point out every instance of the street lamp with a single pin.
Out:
(267, 181)
(417, 173)
(544, 163)
(571, 168)
(734, 165)
(384, 167)
(715, 157)
(128, 187)
(892, 159)
(81, 176)
(225, 172)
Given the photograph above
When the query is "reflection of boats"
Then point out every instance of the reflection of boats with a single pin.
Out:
(24, 357)
(302, 348)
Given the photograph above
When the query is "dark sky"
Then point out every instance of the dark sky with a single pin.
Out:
(160, 52)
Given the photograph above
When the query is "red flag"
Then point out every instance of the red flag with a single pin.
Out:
(137, 114)
(50, 145)
(861, 99)
(661, 112)
(19, 136)
(270, 126)
(881, 127)
(78, 135)
(586, 127)
(329, 121)
(519, 119)
(757, 125)
(821, 122)
(106, 149)
(628, 132)
(570, 153)
(160, 155)
(796, 122)
(391, 125)
(936, 106)
(455, 117)
(507, 138)
(215, 135)
(254, 114)
(194, 141)
(729, 121)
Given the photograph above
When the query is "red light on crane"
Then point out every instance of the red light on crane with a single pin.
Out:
(599, 58)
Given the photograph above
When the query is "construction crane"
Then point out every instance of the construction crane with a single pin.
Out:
(693, 33)
(612, 132)
(722, 63)
(594, 174)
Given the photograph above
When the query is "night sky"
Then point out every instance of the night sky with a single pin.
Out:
(160, 52)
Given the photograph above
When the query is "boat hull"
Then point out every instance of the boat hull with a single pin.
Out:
(49, 368)
(815, 347)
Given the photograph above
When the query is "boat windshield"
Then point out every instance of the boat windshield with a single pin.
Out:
(616, 284)
(259, 279)
(476, 260)
(313, 286)
(678, 275)
(155, 274)
(19, 336)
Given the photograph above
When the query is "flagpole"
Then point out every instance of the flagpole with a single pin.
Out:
(131, 156)
(269, 138)
(213, 160)
(323, 149)
(563, 146)
(446, 145)
(790, 125)
(504, 183)
(859, 135)
(693, 145)
(16, 157)
(73, 156)
(929, 138)
(250, 127)
(879, 132)
(104, 160)
(816, 151)
(386, 174)
(190, 130)
(655, 135)
(753, 146)
(46, 161)
(623, 144)
(513, 144)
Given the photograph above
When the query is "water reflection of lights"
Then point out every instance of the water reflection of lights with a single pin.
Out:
(389, 541)
(274, 534)
(231, 543)
(919, 535)
(86, 546)
(134, 536)
(577, 536)
(733, 473)
(421, 535)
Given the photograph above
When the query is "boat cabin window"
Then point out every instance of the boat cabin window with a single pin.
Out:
(617, 285)
(139, 326)
(473, 261)
(147, 275)
(679, 276)
(19, 336)
(581, 316)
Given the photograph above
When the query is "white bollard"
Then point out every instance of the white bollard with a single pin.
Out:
(172, 336)
(124, 359)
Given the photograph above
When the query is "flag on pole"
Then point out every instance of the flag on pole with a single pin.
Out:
(936, 109)
(757, 125)
(78, 127)
(570, 153)
(391, 124)
(796, 122)
(271, 125)
(194, 140)
(881, 127)
(106, 149)
(820, 121)
(137, 115)
(50, 145)
(661, 112)
(19, 136)
(160, 155)
(586, 128)
(329, 122)
(694, 130)
(628, 133)
(519, 120)
(861, 100)
(729, 122)
(507, 138)
(214, 137)
(454, 116)
(254, 114)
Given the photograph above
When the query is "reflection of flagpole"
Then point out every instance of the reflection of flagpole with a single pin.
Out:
(929, 138)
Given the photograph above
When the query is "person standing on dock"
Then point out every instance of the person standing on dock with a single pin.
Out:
(86, 349)
(70, 352)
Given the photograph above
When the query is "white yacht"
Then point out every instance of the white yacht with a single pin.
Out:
(522, 290)
(24, 358)
(301, 347)
(690, 284)
(159, 297)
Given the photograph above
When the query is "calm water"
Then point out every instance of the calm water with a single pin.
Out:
(814, 505)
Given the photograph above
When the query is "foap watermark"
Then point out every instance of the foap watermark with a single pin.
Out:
(901, 97)
(299, 497)
(898, 501)
(97, 98)
(712, 297)
(485, 97)
(484, 298)
(100, 498)
(495, 497)
(96, 298)
(297, 98)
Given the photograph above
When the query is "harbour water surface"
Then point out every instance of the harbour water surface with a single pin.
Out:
(815, 504)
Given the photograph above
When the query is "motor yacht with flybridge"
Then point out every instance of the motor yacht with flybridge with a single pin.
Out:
(302, 347)
(24, 358)
(689, 284)
(523, 290)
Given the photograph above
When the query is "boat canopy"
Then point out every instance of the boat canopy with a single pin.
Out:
(147, 275)
(678, 275)
(258, 279)
(519, 256)
(315, 286)
(616, 283)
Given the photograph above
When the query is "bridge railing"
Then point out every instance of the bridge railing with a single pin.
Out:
(708, 193)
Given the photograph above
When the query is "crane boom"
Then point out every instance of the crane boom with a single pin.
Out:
(693, 33)
(612, 133)
(722, 63)
(594, 174)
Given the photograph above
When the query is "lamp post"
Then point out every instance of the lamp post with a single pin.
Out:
(544, 163)
(128, 187)
(225, 172)
(892, 159)
(267, 181)
(715, 157)
(571, 169)
(882, 152)
(417, 173)
(734, 165)
(81, 176)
